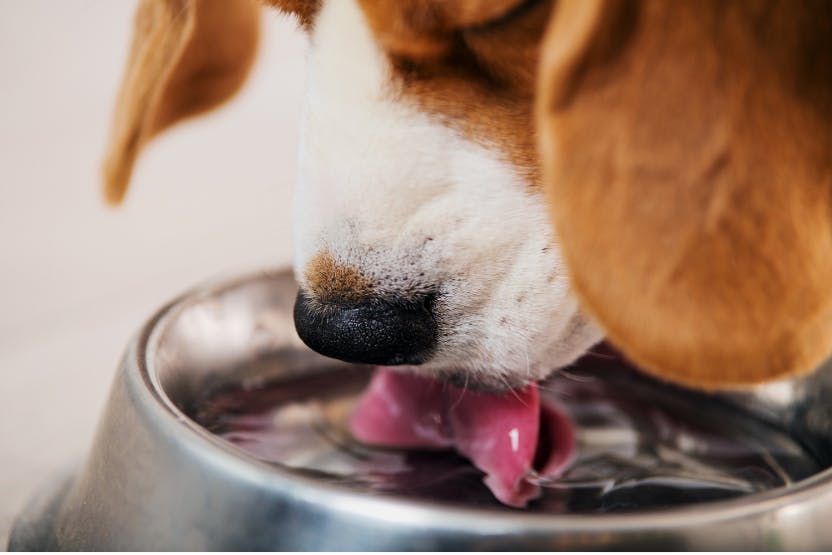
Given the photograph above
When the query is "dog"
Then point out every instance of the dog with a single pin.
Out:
(488, 188)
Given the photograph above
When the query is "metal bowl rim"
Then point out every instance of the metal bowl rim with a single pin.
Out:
(140, 370)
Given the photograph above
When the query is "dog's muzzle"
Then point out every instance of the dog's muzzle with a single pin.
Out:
(370, 331)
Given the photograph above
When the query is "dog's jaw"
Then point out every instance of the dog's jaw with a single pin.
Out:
(417, 209)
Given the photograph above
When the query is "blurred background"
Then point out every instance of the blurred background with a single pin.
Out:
(209, 198)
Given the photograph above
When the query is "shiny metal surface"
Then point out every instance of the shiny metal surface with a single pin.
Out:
(156, 480)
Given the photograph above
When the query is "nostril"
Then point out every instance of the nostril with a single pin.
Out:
(372, 331)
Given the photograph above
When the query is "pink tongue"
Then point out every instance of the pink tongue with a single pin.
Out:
(510, 437)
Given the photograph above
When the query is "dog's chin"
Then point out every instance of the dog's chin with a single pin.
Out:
(481, 384)
(482, 381)
(501, 370)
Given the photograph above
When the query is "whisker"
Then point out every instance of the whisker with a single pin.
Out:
(576, 377)
(513, 391)
(604, 356)
(461, 395)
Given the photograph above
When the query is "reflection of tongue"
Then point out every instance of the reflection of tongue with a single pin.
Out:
(510, 437)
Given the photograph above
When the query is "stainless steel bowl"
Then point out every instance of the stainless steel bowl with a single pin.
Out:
(157, 480)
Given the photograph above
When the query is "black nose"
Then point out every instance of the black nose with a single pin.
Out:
(371, 331)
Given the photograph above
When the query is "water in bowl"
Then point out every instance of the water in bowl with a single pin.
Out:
(640, 445)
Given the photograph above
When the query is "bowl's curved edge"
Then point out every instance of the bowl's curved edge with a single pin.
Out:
(39, 525)
(33, 528)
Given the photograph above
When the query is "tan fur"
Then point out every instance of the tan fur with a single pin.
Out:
(331, 282)
(474, 68)
(304, 10)
(687, 149)
(186, 57)
(426, 29)
(688, 155)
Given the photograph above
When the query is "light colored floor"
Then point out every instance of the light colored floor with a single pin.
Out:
(78, 278)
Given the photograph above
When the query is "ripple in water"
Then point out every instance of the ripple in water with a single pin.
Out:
(640, 445)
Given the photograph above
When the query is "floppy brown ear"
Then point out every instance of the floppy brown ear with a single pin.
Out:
(687, 148)
(186, 57)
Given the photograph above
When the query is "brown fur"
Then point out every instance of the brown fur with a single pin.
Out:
(331, 282)
(186, 57)
(477, 74)
(687, 149)
(304, 10)
(426, 29)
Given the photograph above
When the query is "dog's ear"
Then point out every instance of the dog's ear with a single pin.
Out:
(186, 57)
(687, 150)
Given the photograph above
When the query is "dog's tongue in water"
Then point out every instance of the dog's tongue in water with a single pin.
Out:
(511, 437)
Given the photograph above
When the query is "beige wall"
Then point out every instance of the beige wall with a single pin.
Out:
(78, 278)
